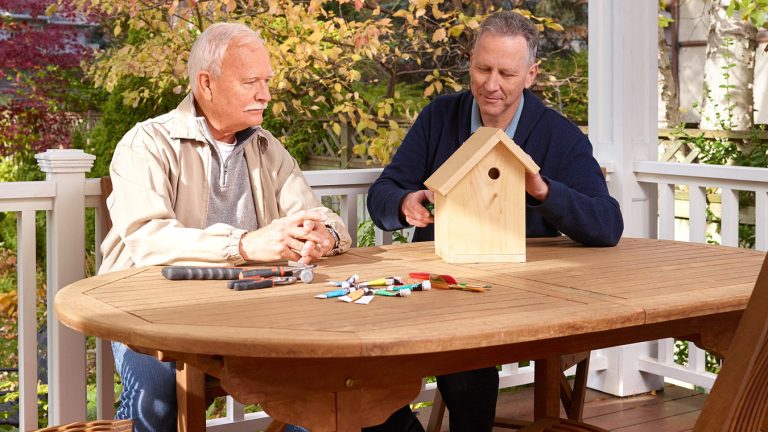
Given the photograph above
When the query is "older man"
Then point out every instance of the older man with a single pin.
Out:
(568, 197)
(204, 184)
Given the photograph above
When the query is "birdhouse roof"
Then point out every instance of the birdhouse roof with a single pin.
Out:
(470, 153)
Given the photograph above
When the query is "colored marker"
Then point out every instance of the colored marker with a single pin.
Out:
(422, 286)
(350, 281)
(469, 287)
(387, 293)
(336, 293)
(387, 281)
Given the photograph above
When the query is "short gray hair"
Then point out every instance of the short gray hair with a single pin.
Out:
(208, 50)
(508, 23)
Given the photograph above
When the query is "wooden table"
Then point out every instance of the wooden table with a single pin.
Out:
(329, 365)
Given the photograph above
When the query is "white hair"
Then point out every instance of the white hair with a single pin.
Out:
(208, 50)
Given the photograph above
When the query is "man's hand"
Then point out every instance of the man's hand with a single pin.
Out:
(315, 249)
(298, 237)
(415, 213)
(536, 186)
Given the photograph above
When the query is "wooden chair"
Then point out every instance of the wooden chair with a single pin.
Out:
(195, 391)
(93, 426)
(572, 398)
(739, 399)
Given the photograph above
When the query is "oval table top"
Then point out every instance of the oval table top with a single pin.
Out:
(563, 289)
(334, 366)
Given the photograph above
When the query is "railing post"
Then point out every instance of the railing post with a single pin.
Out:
(65, 234)
(622, 376)
(27, 323)
(345, 145)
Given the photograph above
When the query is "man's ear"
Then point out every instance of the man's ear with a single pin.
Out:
(204, 85)
(531, 76)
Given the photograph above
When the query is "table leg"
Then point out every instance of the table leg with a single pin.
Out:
(546, 393)
(190, 398)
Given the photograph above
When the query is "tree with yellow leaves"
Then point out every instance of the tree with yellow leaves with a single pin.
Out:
(318, 48)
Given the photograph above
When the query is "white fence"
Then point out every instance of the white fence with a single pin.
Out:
(65, 194)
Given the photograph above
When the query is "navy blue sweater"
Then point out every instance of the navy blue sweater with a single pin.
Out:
(578, 204)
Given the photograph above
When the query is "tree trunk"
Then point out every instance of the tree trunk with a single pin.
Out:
(669, 105)
(729, 71)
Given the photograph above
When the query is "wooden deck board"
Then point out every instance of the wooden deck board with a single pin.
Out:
(673, 410)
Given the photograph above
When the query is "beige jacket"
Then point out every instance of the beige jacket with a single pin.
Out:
(160, 176)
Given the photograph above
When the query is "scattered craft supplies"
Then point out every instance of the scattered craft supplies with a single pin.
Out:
(448, 282)
(242, 278)
(351, 290)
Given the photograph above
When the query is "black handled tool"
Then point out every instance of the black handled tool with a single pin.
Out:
(201, 273)
(268, 272)
(258, 283)
(304, 273)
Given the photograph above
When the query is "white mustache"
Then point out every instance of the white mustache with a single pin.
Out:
(256, 106)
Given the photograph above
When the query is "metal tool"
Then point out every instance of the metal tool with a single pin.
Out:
(258, 283)
(304, 273)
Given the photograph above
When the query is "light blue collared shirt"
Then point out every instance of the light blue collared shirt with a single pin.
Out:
(476, 121)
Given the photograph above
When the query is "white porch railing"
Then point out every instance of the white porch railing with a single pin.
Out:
(65, 195)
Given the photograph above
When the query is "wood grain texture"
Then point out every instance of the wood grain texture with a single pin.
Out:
(528, 301)
(281, 343)
(482, 217)
(739, 399)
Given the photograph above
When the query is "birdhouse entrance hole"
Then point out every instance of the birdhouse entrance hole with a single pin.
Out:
(493, 173)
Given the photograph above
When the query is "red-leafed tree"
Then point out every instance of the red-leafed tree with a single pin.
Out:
(41, 81)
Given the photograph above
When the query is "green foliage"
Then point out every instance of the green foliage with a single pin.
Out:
(681, 354)
(563, 80)
(117, 118)
(366, 235)
(754, 11)
(297, 140)
(12, 396)
(321, 51)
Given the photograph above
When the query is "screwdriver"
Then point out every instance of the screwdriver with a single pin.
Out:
(305, 273)
(258, 283)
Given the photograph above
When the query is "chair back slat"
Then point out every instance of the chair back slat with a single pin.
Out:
(739, 399)
(93, 426)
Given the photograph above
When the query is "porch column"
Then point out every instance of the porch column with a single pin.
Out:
(623, 128)
(623, 102)
(65, 263)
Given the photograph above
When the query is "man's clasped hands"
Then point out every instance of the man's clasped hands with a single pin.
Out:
(302, 237)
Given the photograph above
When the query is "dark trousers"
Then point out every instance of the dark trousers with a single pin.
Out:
(402, 420)
(469, 396)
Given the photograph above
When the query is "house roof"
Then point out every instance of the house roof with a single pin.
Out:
(470, 153)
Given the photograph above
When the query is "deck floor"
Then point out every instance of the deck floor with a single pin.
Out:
(673, 410)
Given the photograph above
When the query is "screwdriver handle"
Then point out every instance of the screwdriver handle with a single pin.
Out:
(249, 284)
(200, 273)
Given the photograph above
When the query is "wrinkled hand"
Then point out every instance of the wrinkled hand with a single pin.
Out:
(414, 212)
(536, 186)
(312, 248)
(298, 237)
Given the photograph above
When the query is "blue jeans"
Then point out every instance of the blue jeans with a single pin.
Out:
(149, 391)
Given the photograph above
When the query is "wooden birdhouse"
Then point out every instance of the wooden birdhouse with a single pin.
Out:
(480, 200)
